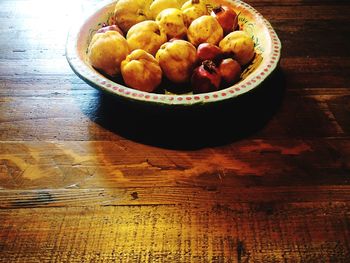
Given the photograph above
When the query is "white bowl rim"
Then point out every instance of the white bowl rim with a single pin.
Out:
(85, 71)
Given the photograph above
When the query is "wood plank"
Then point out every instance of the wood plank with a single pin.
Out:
(105, 164)
(177, 234)
(191, 195)
(297, 11)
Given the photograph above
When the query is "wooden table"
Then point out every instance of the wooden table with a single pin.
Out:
(87, 178)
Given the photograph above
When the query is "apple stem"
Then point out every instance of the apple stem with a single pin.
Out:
(218, 9)
(209, 66)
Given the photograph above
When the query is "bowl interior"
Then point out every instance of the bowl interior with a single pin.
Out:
(266, 43)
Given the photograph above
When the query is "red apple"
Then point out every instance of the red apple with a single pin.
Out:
(230, 70)
(207, 51)
(110, 28)
(206, 78)
(226, 17)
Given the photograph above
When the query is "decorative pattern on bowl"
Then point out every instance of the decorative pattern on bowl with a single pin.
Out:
(266, 42)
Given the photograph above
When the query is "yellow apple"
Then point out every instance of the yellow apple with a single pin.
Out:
(141, 71)
(107, 50)
(171, 22)
(193, 9)
(177, 59)
(159, 5)
(205, 29)
(240, 45)
(146, 35)
(130, 12)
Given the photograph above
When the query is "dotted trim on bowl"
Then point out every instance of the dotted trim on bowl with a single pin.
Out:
(85, 70)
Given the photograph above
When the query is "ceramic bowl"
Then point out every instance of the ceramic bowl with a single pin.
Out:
(267, 48)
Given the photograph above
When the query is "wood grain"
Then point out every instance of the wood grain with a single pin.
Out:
(166, 233)
(85, 177)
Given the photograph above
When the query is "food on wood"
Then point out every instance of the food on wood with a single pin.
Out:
(206, 51)
(107, 50)
(230, 71)
(141, 71)
(130, 12)
(226, 17)
(177, 40)
(205, 29)
(110, 28)
(159, 5)
(206, 78)
(192, 9)
(239, 45)
(177, 59)
(146, 35)
(171, 22)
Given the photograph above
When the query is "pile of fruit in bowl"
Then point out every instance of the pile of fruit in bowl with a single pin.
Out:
(173, 52)
(180, 42)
